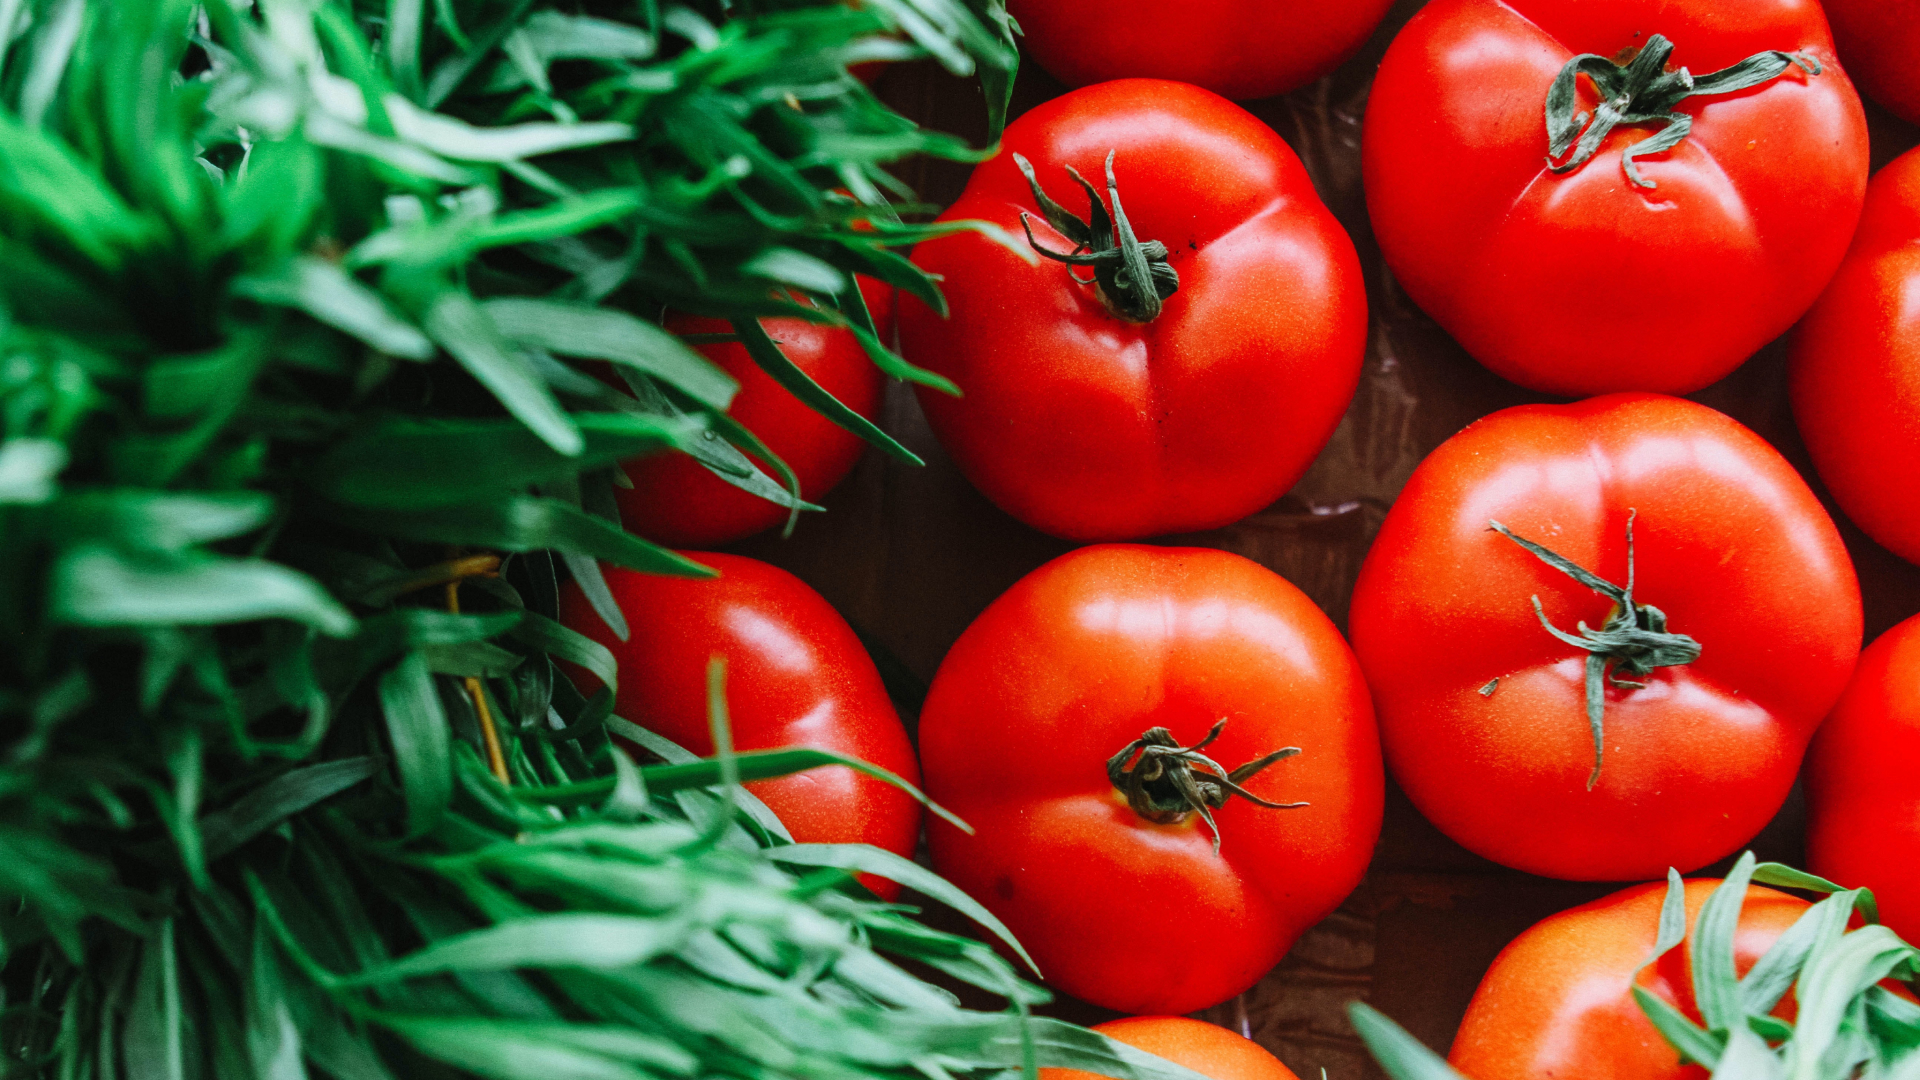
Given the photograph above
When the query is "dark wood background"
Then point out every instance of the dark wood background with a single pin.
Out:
(910, 556)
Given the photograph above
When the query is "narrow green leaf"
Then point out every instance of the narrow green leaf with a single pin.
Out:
(450, 138)
(469, 659)
(409, 462)
(159, 520)
(1694, 1043)
(280, 798)
(462, 327)
(1747, 1058)
(557, 36)
(593, 585)
(575, 940)
(766, 764)
(1400, 1054)
(1716, 987)
(526, 523)
(604, 334)
(1777, 969)
(330, 294)
(770, 359)
(94, 585)
(417, 727)
(501, 1050)
(786, 266)
(868, 859)
(564, 643)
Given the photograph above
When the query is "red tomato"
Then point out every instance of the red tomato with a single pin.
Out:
(1092, 426)
(1205, 1048)
(1240, 48)
(1856, 367)
(796, 676)
(677, 501)
(1484, 712)
(1863, 798)
(1583, 282)
(1558, 1002)
(1071, 668)
(1879, 40)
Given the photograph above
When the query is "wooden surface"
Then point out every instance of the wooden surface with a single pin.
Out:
(910, 556)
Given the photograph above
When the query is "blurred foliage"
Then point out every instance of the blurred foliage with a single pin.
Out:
(305, 318)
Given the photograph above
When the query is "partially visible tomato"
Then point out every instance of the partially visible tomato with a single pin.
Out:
(1863, 787)
(1237, 48)
(796, 676)
(1084, 847)
(1856, 366)
(1487, 714)
(676, 501)
(1558, 1000)
(1089, 417)
(1879, 41)
(1207, 1049)
(1585, 282)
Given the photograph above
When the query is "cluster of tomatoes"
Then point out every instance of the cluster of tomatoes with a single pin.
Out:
(1620, 620)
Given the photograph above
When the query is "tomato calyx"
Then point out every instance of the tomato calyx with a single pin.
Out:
(1170, 783)
(1132, 277)
(1642, 91)
(1635, 637)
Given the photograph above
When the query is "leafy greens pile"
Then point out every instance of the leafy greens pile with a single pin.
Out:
(300, 427)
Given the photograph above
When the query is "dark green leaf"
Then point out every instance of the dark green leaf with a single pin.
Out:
(417, 728)
(286, 795)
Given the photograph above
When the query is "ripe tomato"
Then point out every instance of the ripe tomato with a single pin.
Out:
(1856, 367)
(1488, 717)
(1207, 1049)
(1239, 48)
(1557, 1002)
(1031, 731)
(1584, 282)
(677, 501)
(796, 676)
(1878, 39)
(1863, 800)
(1093, 425)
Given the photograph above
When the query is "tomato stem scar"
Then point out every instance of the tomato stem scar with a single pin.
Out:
(1133, 278)
(1635, 637)
(1170, 783)
(1643, 92)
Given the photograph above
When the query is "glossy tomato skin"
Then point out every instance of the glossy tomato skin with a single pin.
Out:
(1879, 39)
(1855, 373)
(676, 501)
(1072, 664)
(796, 676)
(1240, 49)
(1582, 283)
(1090, 427)
(1208, 1049)
(1558, 1000)
(1729, 543)
(1863, 800)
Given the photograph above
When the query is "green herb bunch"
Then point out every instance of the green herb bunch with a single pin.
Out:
(306, 308)
(1847, 1025)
